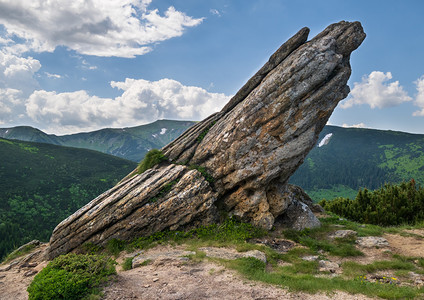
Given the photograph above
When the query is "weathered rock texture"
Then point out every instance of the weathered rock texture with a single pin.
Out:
(251, 148)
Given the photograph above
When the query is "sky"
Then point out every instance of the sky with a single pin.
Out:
(78, 66)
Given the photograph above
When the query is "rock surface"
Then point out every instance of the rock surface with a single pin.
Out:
(372, 241)
(250, 149)
(342, 234)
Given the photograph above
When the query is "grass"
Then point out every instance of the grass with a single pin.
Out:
(331, 193)
(208, 177)
(152, 158)
(164, 190)
(298, 275)
(127, 264)
(254, 269)
(19, 252)
(316, 240)
(205, 132)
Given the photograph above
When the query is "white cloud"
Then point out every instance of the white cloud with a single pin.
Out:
(359, 125)
(54, 76)
(376, 91)
(141, 102)
(18, 72)
(11, 105)
(215, 12)
(123, 28)
(419, 99)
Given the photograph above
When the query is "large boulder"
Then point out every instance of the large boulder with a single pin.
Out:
(245, 153)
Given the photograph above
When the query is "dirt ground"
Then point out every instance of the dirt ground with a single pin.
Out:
(176, 279)
(202, 280)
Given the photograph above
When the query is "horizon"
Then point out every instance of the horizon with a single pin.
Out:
(146, 124)
(126, 64)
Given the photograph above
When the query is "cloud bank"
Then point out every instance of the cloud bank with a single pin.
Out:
(375, 90)
(141, 102)
(124, 28)
(419, 100)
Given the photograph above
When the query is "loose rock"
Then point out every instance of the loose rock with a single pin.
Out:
(342, 234)
(372, 241)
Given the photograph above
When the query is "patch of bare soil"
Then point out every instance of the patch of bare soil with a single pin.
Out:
(171, 278)
(175, 279)
(407, 245)
(14, 281)
(370, 255)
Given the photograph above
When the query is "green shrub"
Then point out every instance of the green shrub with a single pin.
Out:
(230, 230)
(115, 246)
(205, 132)
(19, 252)
(71, 276)
(127, 264)
(167, 187)
(388, 206)
(208, 177)
(152, 158)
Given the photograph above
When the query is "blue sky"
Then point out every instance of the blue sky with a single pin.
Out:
(72, 66)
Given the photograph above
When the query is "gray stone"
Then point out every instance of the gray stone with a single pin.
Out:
(310, 258)
(372, 241)
(250, 148)
(328, 266)
(299, 216)
(341, 234)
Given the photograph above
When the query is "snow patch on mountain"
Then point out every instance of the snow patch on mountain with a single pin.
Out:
(163, 131)
(325, 140)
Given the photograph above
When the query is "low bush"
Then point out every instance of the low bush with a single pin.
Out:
(388, 206)
(152, 158)
(71, 276)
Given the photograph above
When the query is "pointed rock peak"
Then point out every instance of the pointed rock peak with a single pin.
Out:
(238, 160)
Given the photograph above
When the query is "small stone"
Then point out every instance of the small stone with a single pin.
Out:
(147, 286)
(341, 234)
(30, 273)
(231, 254)
(6, 268)
(155, 279)
(311, 258)
(372, 241)
(328, 266)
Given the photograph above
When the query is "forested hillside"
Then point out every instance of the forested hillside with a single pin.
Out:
(356, 158)
(130, 143)
(349, 159)
(41, 184)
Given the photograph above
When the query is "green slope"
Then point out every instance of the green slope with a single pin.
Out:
(356, 158)
(130, 143)
(41, 184)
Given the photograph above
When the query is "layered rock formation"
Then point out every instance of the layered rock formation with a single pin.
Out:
(250, 149)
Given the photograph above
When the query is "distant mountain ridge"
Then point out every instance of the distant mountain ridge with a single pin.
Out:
(130, 143)
(344, 159)
(41, 184)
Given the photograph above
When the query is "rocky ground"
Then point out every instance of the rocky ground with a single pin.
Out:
(170, 274)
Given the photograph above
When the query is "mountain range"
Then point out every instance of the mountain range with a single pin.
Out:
(41, 184)
(130, 143)
(347, 159)
(343, 161)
